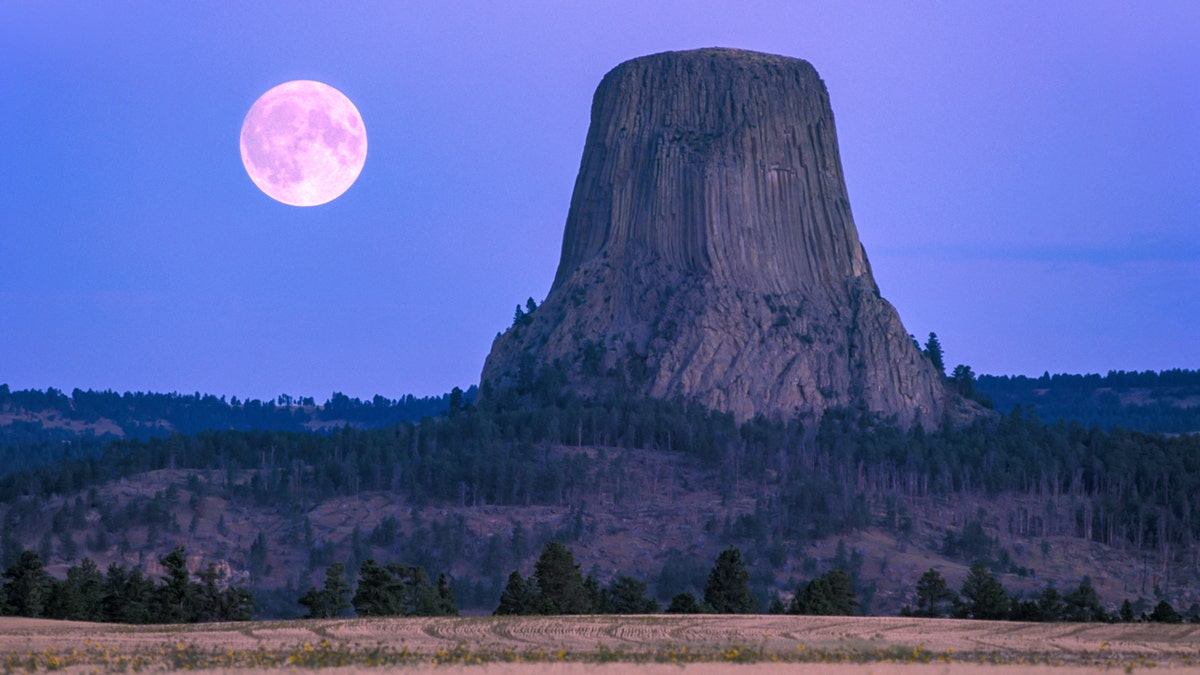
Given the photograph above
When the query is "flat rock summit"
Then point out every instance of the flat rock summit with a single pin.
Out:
(710, 254)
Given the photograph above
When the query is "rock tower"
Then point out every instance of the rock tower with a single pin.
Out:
(710, 254)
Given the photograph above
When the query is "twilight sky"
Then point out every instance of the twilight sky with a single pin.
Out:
(1025, 178)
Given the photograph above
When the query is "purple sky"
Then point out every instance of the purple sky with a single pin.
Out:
(1025, 178)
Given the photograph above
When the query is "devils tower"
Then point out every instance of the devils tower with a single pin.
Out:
(710, 254)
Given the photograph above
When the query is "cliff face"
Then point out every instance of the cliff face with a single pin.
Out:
(710, 253)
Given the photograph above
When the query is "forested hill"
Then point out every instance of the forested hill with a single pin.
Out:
(637, 484)
(38, 427)
(1163, 402)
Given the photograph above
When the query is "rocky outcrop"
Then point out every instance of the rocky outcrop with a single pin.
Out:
(710, 253)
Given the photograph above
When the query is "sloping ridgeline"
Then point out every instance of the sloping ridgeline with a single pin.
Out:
(42, 427)
(1165, 402)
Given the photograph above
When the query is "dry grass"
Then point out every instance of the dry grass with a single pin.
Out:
(570, 645)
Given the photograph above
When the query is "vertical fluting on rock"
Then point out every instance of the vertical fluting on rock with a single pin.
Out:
(715, 161)
(710, 240)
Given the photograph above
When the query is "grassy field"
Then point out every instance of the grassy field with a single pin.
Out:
(611, 645)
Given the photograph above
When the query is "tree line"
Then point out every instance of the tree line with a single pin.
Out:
(392, 589)
(142, 415)
(123, 595)
(983, 596)
(851, 470)
(558, 587)
(1096, 400)
(555, 587)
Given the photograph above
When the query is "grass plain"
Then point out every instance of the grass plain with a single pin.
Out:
(576, 645)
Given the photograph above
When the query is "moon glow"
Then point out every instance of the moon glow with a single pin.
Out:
(303, 143)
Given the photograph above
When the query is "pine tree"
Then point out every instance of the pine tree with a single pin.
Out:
(628, 596)
(174, 595)
(1165, 613)
(932, 593)
(447, 604)
(1083, 604)
(209, 600)
(337, 591)
(560, 582)
(412, 592)
(684, 603)
(238, 604)
(28, 586)
(374, 595)
(80, 596)
(518, 597)
(828, 595)
(333, 599)
(933, 351)
(728, 587)
(963, 379)
(1126, 612)
(127, 595)
(1051, 606)
(984, 596)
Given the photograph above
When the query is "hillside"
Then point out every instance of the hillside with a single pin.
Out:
(39, 427)
(655, 491)
(1163, 402)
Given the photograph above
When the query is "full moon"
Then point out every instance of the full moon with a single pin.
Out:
(303, 143)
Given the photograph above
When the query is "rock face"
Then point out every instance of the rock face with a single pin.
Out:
(710, 254)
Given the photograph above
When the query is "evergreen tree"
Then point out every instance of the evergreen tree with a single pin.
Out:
(1024, 610)
(1165, 613)
(174, 601)
(932, 594)
(337, 591)
(983, 595)
(80, 596)
(728, 587)
(628, 596)
(963, 379)
(395, 590)
(28, 586)
(456, 401)
(933, 351)
(518, 597)
(128, 595)
(1083, 604)
(374, 595)
(333, 599)
(207, 598)
(560, 582)
(447, 603)
(684, 603)
(1051, 606)
(209, 602)
(238, 604)
(828, 595)
(597, 596)
(1126, 612)
(413, 593)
